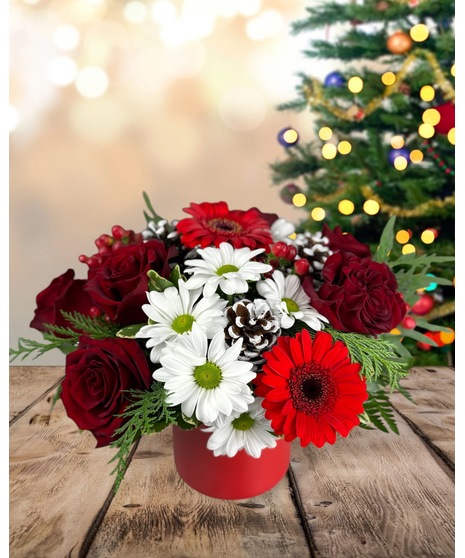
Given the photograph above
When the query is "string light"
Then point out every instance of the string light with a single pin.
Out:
(447, 337)
(371, 207)
(397, 142)
(427, 93)
(419, 32)
(400, 163)
(427, 236)
(318, 214)
(426, 130)
(329, 151)
(408, 249)
(402, 236)
(355, 84)
(325, 133)
(299, 200)
(451, 136)
(346, 207)
(344, 147)
(431, 116)
(416, 156)
(388, 78)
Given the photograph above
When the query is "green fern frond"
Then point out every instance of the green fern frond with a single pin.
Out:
(97, 328)
(26, 347)
(380, 412)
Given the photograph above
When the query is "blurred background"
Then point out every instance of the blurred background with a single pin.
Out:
(110, 98)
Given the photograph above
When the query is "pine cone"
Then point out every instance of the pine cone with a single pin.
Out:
(315, 248)
(255, 324)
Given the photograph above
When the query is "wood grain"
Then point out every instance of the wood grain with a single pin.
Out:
(29, 383)
(433, 411)
(58, 483)
(376, 495)
(156, 514)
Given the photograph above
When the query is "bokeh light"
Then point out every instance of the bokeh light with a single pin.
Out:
(318, 214)
(431, 116)
(163, 11)
(426, 130)
(299, 200)
(66, 37)
(451, 136)
(62, 71)
(400, 163)
(329, 151)
(388, 78)
(433, 285)
(427, 93)
(447, 337)
(325, 133)
(416, 156)
(344, 147)
(371, 207)
(428, 236)
(265, 25)
(419, 32)
(452, 70)
(402, 236)
(135, 11)
(355, 84)
(346, 207)
(91, 82)
(397, 142)
(408, 249)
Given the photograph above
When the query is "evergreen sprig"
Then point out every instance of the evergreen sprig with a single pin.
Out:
(377, 356)
(97, 328)
(26, 347)
(147, 413)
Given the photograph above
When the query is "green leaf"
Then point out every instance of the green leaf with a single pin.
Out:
(421, 322)
(416, 335)
(175, 275)
(154, 215)
(157, 282)
(129, 332)
(56, 397)
(386, 241)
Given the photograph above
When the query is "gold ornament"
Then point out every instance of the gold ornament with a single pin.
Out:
(399, 43)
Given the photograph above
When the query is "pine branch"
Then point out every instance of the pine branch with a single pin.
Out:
(377, 356)
(97, 328)
(26, 347)
(147, 413)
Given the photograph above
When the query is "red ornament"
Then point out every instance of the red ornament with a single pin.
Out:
(399, 43)
(408, 322)
(423, 305)
(447, 112)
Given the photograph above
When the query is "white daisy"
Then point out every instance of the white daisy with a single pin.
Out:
(289, 302)
(225, 267)
(174, 312)
(249, 431)
(282, 230)
(206, 379)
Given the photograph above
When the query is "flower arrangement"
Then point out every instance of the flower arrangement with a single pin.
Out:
(231, 321)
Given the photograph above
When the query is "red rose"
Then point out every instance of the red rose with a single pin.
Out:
(97, 373)
(119, 284)
(358, 295)
(345, 242)
(63, 293)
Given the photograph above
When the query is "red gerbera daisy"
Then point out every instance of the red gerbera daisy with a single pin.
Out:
(213, 223)
(310, 388)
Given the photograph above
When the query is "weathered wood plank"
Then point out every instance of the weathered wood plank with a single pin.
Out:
(433, 411)
(376, 495)
(156, 514)
(29, 383)
(58, 483)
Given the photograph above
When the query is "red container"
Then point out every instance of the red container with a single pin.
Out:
(228, 478)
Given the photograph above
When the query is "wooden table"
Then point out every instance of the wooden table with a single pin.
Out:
(372, 494)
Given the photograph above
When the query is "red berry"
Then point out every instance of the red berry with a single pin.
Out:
(408, 322)
(95, 312)
(279, 249)
(291, 253)
(302, 266)
(117, 244)
(83, 259)
(117, 232)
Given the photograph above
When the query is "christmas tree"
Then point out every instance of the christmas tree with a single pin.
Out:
(384, 138)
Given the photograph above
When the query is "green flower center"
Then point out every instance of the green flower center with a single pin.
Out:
(228, 268)
(243, 422)
(208, 375)
(292, 306)
(183, 323)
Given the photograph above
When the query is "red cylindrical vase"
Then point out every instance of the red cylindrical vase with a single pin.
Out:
(228, 478)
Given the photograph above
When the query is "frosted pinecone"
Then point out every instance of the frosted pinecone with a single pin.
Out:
(255, 324)
(162, 230)
(314, 247)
